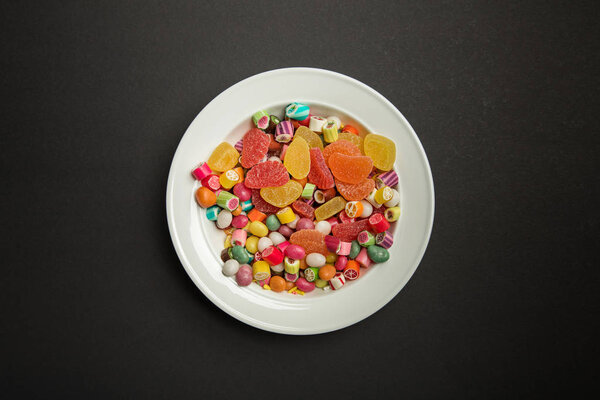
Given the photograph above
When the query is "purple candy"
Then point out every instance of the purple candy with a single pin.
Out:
(244, 275)
(384, 239)
(389, 178)
(284, 132)
(239, 145)
(285, 231)
(305, 285)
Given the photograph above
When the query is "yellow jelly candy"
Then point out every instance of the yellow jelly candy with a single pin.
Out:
(330, 208)
(297, 158)
(311, 138)
(282, 196)
(381, 150)
(351, 137)
(223, 158)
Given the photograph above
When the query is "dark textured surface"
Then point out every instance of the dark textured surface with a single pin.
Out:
(95, 303)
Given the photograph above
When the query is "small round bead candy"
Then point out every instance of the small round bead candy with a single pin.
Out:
(304, 223)
(230, 267)
(224, 219)
(392, 214)
(272, 222)
(295, 252)
(252, 244)
(276, 238)
(291, 265)
(277, 284)
(244, 275)
(277, 268)
(225, 255)
(315, 260)
(293, 223)
(378, 254)
(263, 243)
(305, 285)
(354, 250)
(286, 215)
(212, 213)
(367, 209)
(285, 231)
(240, 254)
(239, 221)
(259, 229)
(324, 227)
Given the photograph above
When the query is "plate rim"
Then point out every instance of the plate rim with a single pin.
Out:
(224, 306)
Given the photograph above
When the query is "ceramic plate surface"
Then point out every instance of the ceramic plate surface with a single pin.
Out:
(198, 242)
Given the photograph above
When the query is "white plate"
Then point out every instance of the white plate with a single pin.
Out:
(198, 243)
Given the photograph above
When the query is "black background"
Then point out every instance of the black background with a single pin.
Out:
(96, 96)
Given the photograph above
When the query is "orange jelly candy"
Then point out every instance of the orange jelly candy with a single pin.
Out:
(350, 169)
(311, 240)
(357, 191)
(340, 146)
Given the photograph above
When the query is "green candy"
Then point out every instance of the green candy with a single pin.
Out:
(378, 254)
(240, 254)
(311, 274)
(354, 250)
(272, 222)
(320, 283)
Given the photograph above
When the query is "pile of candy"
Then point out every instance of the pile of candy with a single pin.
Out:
(308, 204)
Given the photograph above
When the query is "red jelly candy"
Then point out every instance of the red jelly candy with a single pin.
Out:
(267, 174)
(261, 205)
(319, 173)
(303, 209)
(255, 147)
(349, 231)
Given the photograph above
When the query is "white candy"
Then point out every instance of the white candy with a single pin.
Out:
(324, 227)
(276, 238)
(315, 123)
(315, 260)
(263, 243)
(274, 158)
(231, 267)
(336, 120)
(367, 209)
(394, 201)
(294, 222)
(224, 219)
(277, 268)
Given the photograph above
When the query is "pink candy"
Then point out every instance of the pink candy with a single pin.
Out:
(295, 252)
(345, 248)
(341, 263)
(238, 237)
(363, 259)
(304, 223)
(201, 171)
(283, 245)
(332, 243)
(242, 191)
(333, 221)
(239, 221)
(305, 285)
(285, 231)
(244, 275)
